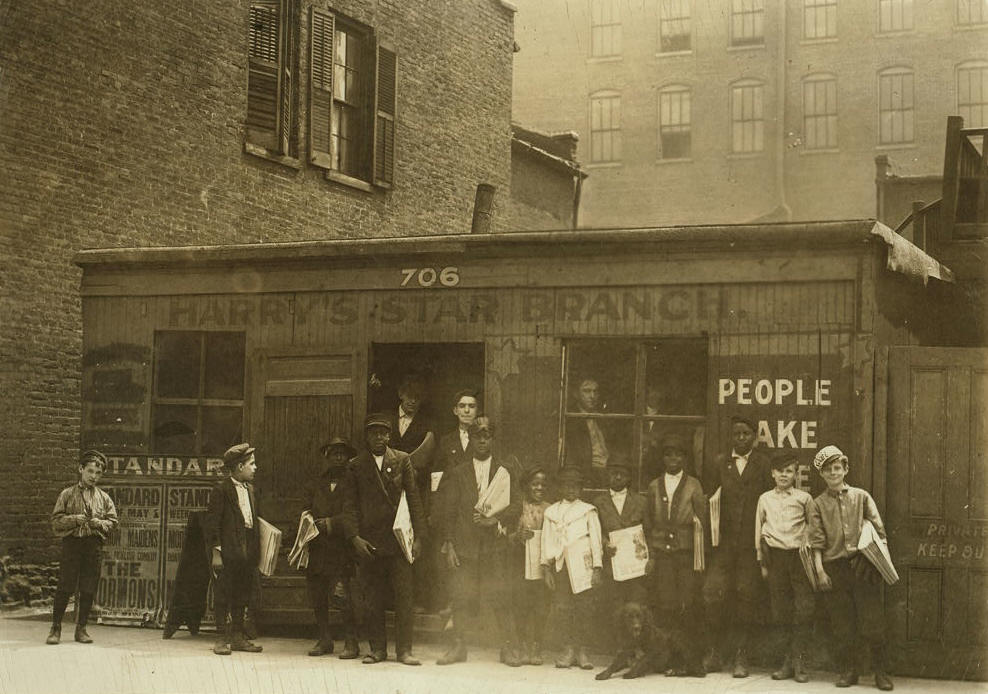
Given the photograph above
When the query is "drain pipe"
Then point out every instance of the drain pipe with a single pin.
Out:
(483, 204)
(780, 110)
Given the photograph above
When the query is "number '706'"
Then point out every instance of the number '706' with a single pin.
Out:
(429, 276)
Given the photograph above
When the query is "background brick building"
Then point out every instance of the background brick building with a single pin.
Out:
(697, 112)
(129, 124)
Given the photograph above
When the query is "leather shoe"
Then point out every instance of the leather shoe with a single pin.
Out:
(567, 659)
(169, 630)
(846, 679)
(54, 636)
(711, 661)
(80, 634)
(535, 654)
(784, 672)
(321, 648)
(374, 657)
(799, 670)
(243, 644)
(408, 659)
(457, 653)
(883, 681)
(510, 657)
(221, 647)
(583, 660)
(351, 650)
(740, 664)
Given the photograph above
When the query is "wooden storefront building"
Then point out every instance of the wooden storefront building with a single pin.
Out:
(829, 332)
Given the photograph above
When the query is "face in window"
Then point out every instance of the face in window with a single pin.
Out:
(588, 395)
(466, 410)
(743, 437)
(652, 397)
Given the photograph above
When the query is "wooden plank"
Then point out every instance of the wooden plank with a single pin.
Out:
(326, 386)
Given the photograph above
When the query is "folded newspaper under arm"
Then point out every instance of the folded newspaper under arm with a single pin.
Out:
(403, 530)
(270, 544)
(715, 518)
(298, 557)
(579, 564)
(876, 550)
(533, 556)
(809, 567)
(497, 496)
(631, 552)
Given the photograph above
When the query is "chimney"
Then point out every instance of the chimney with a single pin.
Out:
(483, 205)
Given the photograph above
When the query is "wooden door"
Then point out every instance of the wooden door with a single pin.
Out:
(937, 514)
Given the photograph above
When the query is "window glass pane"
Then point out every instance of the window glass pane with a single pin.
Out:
(653, 433)
(601, 377)
(224, 373)
(592, 443)
(177, 354)
(222, 427)
(173, 430)
(676, 377)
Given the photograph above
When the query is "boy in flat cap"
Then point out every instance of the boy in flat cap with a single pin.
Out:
(674, 499)
(854, 602)
(330, 567)
(733, 594)
(231, 530)
(83, 517)
(372, 490)
(475, 546)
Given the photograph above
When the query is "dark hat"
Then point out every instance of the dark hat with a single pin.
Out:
(783, 457)
(618, 462)
(480, 424)
(739, 419)
(338, 441)
(92, 456)
(378, 419)
(235, 455)
(674, 441)
(570, 473)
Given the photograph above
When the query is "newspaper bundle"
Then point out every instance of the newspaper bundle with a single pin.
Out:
(497, 496)
(631, 552)
(533, 556)
(809, 567)
(876, 550)
(715, 518)
(402, 528)
(579, 564)
(270, 541)
(298, 557)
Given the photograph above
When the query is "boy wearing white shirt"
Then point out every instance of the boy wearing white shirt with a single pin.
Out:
(568, 524)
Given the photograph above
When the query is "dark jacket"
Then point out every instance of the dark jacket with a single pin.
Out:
(633, 513)
(223, 525)
(739, 497)
(459, 493)
(370, 499)
(328, 552)
(450, 453)
(671, 532)
(413, 436)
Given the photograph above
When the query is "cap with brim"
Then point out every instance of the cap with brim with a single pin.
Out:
(784, 457)
(674, 441)
(237, 454)
(570, 474)
(378, 419)
(337, 441)
(826, 455)
(738, 419)
(481, 424)
(92, 456)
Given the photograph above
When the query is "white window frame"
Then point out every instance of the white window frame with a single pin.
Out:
(813, 12)
(747, 104)
(888, 10)
(898, 111)
(611, 134)
(814, 118)
(750, 15)
(675, 121)
(605, 28)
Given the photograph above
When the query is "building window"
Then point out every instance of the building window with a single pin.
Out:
(272, 39)
(352, 104)
(747, 22)
(820, 112)
(605, 28)
(605, 127)
(972, 94)
(972, 12)
(819, 19)
(623, 396)
(675, 26)
(747, 117)
(198, 402)
(895, 106)
(895, 15)
(675, 121)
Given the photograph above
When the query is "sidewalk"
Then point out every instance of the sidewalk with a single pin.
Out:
(127, 659)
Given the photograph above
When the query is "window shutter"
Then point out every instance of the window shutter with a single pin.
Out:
(321, 30)
(288, 43)
(384, 122)
(263, 65)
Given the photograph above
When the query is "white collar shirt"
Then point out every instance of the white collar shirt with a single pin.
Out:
(379, 461)
(482, 473)
(464, 439)
(740, 461)
(243, 499)
(404, 421)
(672, 484)
(619, 498)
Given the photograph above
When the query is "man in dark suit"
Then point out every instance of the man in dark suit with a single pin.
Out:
(372, 490)
(586, 438)
(231, 530)
(733, 594)
(475, 546)
(454, 445)
(412, 425)
(330, 567)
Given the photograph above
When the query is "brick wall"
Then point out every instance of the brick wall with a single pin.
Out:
(121, 124)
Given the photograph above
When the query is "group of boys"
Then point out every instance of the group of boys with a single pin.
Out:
(764, 523)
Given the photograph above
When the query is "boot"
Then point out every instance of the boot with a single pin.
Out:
(222, 644)
(240, 642)
(325, 643)
(583, 660)
(351, 649)
(847, 678)
(784, 672)
(55, 635)
(567, 659)
(711, 661)
(799, 669)
(883, 681)
(535, 654)
(80, 634)
(740, 664)
(509, 655)
(457, 653)
(879, 658)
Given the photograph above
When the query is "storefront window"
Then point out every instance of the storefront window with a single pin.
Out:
(198, 392)
(623, 396)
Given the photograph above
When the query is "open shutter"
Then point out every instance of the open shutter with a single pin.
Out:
(288, 46)
(384, 122)
(321, 30)
(263, 65)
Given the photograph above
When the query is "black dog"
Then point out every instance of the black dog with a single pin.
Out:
(645, 648)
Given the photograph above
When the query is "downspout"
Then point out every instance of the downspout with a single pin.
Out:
(780, 110)
(576, 199)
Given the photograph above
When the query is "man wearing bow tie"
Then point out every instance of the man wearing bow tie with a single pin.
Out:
(372, 489)
(733, 594)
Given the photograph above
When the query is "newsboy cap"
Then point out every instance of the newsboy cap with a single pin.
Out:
(338, 441)
(237, 454)
(378, 419)
(827, 454)
(570, 473)
(676, 442)
(92, 456)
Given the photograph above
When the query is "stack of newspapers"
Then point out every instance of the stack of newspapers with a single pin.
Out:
(403, 530)
(497, 496)
(715, 518)
(876, 550)
(270, 541)
(307, 530)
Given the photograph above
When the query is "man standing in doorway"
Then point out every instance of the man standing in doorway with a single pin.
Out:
(586, 441)
(372, 489)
